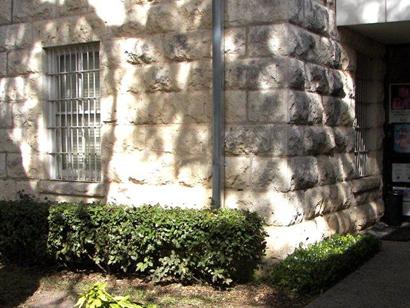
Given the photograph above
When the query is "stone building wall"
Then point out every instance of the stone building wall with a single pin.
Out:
(290, 109)
(155, 97)
(290, 135)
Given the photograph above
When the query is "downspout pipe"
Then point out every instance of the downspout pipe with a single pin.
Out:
(218, 131)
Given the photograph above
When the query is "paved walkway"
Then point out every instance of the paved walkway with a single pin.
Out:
(382, 282)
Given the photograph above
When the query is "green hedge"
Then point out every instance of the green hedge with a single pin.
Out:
(319, 266)
(23, 232)
(165, 244)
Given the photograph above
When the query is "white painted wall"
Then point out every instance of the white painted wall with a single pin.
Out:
(356, 12)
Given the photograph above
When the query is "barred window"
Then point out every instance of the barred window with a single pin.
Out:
(74, 121)
(361, 151)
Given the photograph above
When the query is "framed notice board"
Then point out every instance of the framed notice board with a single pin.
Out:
(399, 103)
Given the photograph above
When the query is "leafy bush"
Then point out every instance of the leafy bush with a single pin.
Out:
(319, 266)
(23, 231)
(98, 297)
(166, 244)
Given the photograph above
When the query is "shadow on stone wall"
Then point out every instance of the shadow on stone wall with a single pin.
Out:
(167, 125)
(156, 93)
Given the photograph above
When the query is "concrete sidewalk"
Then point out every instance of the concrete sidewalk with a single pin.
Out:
(382, 282)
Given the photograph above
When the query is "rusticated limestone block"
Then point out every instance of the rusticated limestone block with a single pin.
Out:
(20, 88)
(289, 40)
(6, 141)
(78, 7)
(240, 12)
(326, 168)
(194, 171)
(5, 12)
(3, 64)
(319, 140)
(6, 115)
(168, 195)
(295, 141)
(24, 10)
(71, 30)
(142, 169)
(305, 108)
(15, 36)
(166, 17)
(276, 208)
(348, 59)
(298, 107)
(177, 77)
(25, 165)
(188, 46)
(20, 140)
(51, 32)
(235, 106)
(25, 61)
(259, 139)
(144, 50)
(10, 189)
(125, 138)
(347, 169)
(328, 52)
(28, 113)
(338, 112)
(265, 73)
(267, 106)
(344, 139)
(268, 40)
(366, 184)
(70, 199)
(317, 79)
(337, 83)
(375, 163)
(282, 241)
(72, 188)
(3, 168)
(87, 28)
(358, 217)
(179, 139)
(235, 42)
(304, 172)
(270, 174)
(237, 172)
(368, 196)
(164, 108)
(315, 17)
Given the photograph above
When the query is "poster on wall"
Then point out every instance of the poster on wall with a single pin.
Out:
(406, 199)
(400, 103)
(401, 173)
(402, 138)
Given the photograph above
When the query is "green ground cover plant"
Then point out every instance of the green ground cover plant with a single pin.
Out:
(98, 297)
(316, 268)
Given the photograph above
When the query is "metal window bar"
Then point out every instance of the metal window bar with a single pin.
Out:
(360, 149)
(74, 112)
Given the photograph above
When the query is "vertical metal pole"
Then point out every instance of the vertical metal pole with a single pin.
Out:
(218, 163)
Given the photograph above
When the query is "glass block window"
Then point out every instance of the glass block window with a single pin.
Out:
(74, 120)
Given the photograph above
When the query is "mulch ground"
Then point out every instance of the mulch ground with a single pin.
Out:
(34, 287)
